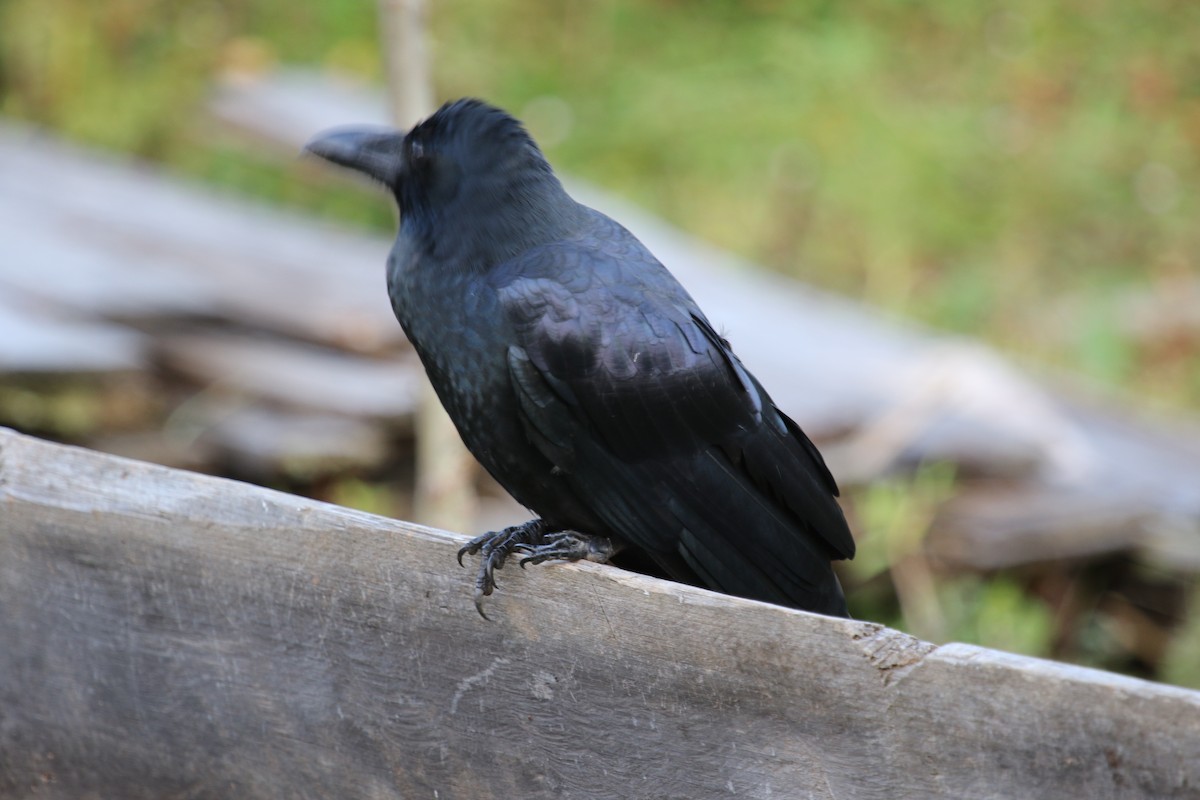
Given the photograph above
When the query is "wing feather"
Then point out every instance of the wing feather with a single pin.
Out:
(624, 385)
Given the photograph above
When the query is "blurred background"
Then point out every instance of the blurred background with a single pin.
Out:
(995, 204)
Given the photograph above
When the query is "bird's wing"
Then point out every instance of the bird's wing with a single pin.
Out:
(626, 387)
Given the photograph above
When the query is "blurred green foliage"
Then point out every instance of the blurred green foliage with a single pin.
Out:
(894, 516)
(969, 164)
(1181, 664)
(1009, 170)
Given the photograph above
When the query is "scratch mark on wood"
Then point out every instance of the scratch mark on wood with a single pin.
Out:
(479, 677)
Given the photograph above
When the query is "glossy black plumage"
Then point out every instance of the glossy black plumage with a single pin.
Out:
(583, 376)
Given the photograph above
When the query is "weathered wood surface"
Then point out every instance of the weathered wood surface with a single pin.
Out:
(166, 634)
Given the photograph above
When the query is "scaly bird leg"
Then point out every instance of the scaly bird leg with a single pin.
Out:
(568, 546)
(494, 547)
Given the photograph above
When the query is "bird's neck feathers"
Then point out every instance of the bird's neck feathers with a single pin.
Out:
(490, 216)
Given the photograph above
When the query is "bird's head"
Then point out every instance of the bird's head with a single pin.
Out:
(468, 161)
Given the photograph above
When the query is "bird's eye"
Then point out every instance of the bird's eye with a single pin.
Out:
(416, 151)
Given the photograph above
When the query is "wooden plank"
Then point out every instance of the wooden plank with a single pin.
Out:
(264, 444)
(296, 374)
(1143, 497)
(139, 245)
(170, 634)
(38, 342)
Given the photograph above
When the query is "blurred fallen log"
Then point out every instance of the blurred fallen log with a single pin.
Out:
(36, 341)
(266, 444)
(130, 244)
(296, 374)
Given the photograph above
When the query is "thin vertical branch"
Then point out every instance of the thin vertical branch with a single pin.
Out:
(402, 26)
(445, 493)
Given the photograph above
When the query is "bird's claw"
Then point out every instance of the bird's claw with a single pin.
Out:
(474, 546)
(538, 542)
(567, 546)
(494, 548)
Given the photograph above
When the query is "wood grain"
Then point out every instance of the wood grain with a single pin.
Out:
(166, 634)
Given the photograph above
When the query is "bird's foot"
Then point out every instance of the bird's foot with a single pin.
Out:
(494, 548)
(568, 546)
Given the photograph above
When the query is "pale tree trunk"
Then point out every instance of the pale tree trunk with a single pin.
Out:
(406, 60)
(445, 494)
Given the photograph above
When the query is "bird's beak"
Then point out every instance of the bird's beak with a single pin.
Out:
(375, 152)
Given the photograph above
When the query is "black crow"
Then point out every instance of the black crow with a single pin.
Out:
(584, 377)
